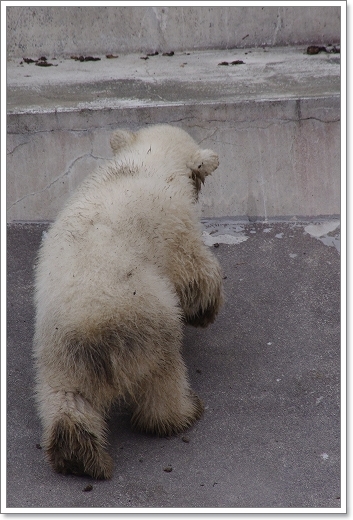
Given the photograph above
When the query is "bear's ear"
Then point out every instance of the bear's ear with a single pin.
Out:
(120, 139)
(203, 163)
(209, 161)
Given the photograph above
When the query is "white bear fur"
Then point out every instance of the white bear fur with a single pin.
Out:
(120, 270)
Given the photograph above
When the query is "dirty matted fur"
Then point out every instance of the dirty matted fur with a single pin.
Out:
(120, 270)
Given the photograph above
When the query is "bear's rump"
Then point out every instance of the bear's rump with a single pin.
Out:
(111, 339)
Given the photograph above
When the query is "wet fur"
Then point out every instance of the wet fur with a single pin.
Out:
(119, 272)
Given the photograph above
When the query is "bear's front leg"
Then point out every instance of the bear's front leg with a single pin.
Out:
(198, 280)
(203, 296)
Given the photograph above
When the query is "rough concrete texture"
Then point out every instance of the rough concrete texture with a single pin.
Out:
(274, 120)
(268, 371)
(61, 31)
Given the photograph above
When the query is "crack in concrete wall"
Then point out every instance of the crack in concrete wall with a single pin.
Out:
(11, 152)
(271, 162)
(56, 180)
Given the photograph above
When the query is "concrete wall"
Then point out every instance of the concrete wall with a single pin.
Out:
(61, 31)
(277, 158)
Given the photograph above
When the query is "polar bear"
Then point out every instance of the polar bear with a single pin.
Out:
(119, 272)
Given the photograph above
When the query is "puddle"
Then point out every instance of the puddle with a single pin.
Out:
(321, 232)
(228, 231)
(222, 232)
(210, 240)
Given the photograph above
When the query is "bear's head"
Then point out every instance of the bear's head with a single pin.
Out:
(171, 148)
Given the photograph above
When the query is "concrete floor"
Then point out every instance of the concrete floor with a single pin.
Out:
(268, 371)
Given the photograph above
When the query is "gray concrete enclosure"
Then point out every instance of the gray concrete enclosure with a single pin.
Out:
(274, 121)
(239, 79)
(63, 31)
(272, 112)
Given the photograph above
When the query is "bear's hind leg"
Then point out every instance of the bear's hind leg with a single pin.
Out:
(74, 434)
(165, 403)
